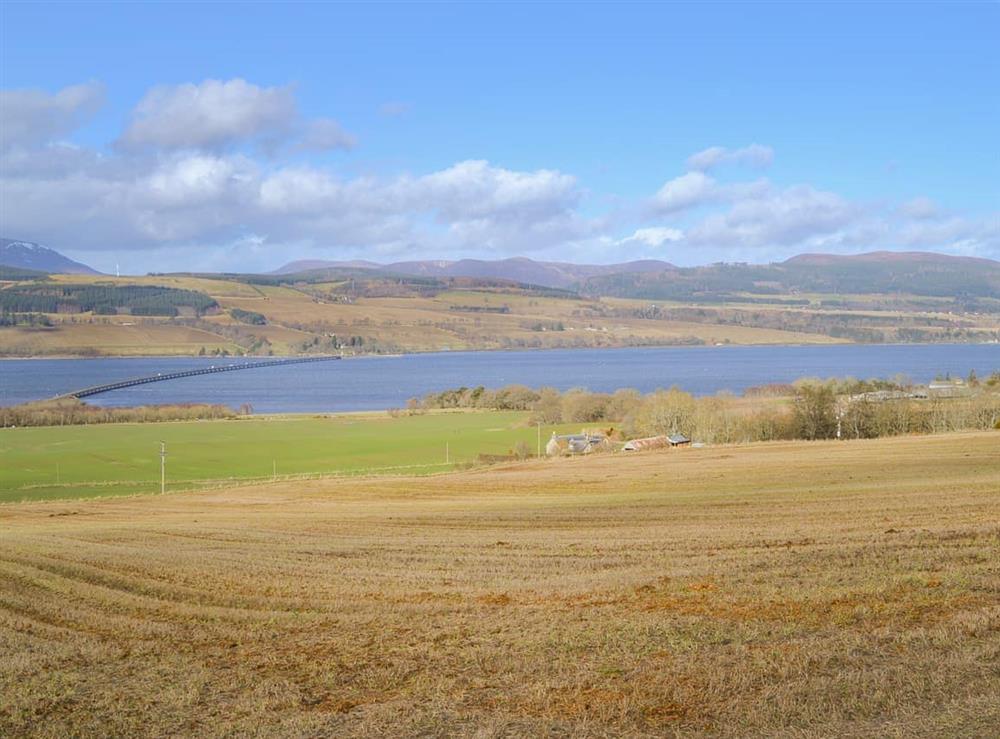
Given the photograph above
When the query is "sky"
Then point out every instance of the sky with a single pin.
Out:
(238, 137)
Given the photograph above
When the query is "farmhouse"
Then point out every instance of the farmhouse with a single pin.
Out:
(575, 443)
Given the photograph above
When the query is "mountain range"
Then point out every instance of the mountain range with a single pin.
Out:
(516, 269)
(917, 273)
(31, 256)
(922, 273)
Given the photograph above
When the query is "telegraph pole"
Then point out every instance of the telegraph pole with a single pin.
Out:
(163, 467)
(538, 450)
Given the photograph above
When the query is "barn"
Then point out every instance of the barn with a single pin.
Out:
(650, 442)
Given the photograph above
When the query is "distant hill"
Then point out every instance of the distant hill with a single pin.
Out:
(307, 265)
(28, 255)
(910, 273)
(889, 257)
(518, 269)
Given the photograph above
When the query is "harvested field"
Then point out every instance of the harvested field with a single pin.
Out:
(796, 589)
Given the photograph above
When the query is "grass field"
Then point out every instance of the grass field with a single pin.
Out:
(123, 459)
(788, 589)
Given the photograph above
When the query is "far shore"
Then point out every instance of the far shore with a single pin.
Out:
(396, 355)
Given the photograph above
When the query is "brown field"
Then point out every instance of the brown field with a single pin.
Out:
(146, 337)
(303, 318)
(420, 323)
(786, 589)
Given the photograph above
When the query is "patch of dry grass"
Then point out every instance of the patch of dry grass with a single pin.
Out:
(798, 589)
(115, 338)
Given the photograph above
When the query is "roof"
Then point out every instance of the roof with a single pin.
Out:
(678, 439)
(645, 443)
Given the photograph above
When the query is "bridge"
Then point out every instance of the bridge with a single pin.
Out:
(164, 376)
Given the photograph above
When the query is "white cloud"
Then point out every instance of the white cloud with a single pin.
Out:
(195, 180)
(687, 191)
(30, 117)
(189, 191)
(475, 189)
(754, 155)
(954, 234)
(756, 220)
(789, 217)
(654, 236)
(189, 198)
(212, 114)
(217, 114)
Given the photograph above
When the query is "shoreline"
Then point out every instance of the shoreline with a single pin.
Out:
(396, 355)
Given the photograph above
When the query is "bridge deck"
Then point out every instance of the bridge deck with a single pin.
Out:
(164, 376)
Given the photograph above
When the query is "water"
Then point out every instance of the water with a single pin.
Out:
(372, 383)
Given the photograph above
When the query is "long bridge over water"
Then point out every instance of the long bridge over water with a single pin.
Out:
(164, 376)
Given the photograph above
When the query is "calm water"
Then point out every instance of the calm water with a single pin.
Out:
(371, 383)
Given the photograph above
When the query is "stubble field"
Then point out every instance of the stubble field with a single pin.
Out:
(796, 589)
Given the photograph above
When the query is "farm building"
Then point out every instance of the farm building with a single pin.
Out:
(947, 389)
(650, 442)
(678, 440)
(575, 444)
(881, 396)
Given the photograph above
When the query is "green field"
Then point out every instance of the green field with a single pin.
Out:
(123, 459)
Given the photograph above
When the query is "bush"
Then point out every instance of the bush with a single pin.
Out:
(248, 316)
(815, 411)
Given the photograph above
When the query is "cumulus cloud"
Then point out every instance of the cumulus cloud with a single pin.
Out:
(475, 189)
(30, 117)
(653, 236)
(786, 217)
(201, 197)
(687, 191)
(756, 219)
(214, 113)
(217, 114)
(754, 155)
(188, 187)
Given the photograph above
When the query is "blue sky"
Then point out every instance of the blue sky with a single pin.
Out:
(239, 136)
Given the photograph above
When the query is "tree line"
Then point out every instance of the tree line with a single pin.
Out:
(73, 412)
(810, 409)
(139, 300)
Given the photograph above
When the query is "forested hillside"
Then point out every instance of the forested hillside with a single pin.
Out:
(138, 300)
(930, 275)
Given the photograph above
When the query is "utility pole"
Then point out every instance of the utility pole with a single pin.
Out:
(447, 453)
(163, 467)
(538, 450)
(274, 469)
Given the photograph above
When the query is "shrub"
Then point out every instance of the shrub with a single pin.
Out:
(248, 316)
